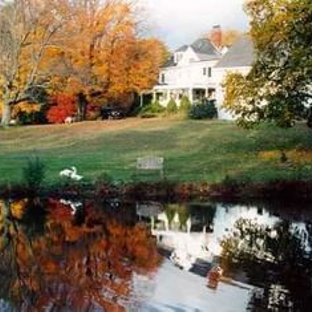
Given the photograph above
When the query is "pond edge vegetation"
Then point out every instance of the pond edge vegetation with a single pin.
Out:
(229, 189)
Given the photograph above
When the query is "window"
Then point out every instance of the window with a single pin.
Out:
(209, 72)
(163, 78)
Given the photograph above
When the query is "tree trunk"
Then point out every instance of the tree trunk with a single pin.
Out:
(6, 114)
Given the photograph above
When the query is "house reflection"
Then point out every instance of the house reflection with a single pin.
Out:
(184, 230)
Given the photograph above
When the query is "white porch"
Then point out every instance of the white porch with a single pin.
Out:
(163, 93)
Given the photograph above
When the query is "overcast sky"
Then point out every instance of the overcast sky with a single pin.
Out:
(179, 22)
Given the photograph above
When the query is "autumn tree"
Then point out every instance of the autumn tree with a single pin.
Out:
(229, 36)
(28, 29)
(106, 60)
(62, 106)
(278, 88)
(89, 49)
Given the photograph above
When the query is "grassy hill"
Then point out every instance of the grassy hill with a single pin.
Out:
(194, 151)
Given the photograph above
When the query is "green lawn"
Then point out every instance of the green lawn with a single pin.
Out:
(194, 151)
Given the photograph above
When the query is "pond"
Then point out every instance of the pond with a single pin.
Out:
(106, 255)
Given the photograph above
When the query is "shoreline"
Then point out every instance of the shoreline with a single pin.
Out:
(228, 191)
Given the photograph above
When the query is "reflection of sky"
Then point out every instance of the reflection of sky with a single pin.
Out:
(180, 291)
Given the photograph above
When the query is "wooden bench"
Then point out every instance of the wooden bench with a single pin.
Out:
(150, 164)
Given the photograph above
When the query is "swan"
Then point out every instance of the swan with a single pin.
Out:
(71, 173)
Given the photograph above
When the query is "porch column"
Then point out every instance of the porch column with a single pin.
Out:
(152, 223)
(190, 95)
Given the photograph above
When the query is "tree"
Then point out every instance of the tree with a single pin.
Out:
(172, 107)
(278, 85)
(89, 49)
(229, 36)
(28, 28)
(106, 59)
(185, 104)
(63, 106)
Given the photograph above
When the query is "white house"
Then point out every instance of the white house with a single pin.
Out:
(188, 72)
(197, 70)
(239, 58)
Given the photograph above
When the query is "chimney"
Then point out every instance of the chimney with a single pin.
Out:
(216, 36)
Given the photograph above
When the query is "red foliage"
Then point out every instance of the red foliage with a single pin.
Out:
(63, 106)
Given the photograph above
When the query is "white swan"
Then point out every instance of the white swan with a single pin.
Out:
(71, 173)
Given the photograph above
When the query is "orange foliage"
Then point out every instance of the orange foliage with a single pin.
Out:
(106, 55)
(78, 266)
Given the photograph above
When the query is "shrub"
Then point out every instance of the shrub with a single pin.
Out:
(34, 174)
(185, 104)
(27, 113)
(172, 107)
(204, 110)
(104, 179)
(92, 115)
(62, 106)
(152, 109)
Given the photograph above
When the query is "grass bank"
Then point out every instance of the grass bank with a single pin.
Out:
(194, 151)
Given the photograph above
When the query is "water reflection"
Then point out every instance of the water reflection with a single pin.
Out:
(184, 230)
(80, 255)
(81, 262)
(276, 258)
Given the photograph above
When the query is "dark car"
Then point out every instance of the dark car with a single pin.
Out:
(108, 112)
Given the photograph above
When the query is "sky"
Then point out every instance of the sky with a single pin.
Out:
(179, 22)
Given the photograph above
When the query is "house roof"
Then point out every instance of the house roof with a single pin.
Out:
(182, 48)
(207, 57)
(204, 46)
(169, 62)
(242, 53)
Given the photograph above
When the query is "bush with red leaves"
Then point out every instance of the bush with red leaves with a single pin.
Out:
(63, 106)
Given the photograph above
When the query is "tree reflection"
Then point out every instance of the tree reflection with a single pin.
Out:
(61, 261)
(278, 259)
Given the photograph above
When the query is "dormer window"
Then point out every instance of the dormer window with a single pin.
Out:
(163, 78)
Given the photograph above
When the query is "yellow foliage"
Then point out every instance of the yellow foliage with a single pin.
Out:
(25, 107)
(294, 156)
(270, 155)
(299, 156)
(18, 208)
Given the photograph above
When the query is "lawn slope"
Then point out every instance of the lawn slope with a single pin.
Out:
(194, 151)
